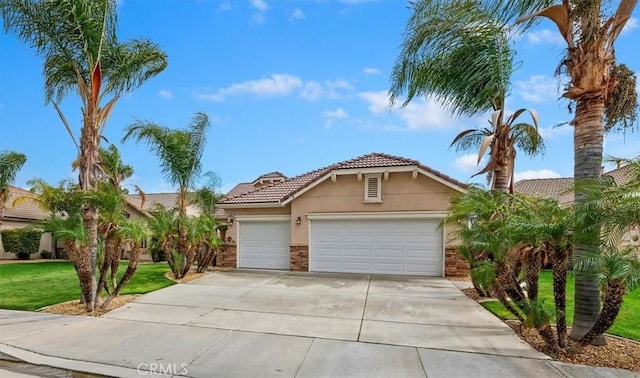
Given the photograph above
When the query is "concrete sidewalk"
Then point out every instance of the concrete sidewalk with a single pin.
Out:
(207, 329)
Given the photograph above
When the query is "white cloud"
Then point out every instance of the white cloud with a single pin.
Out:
(542, 173)
(468, 163)
(225, 6)
(420, 114)
(378, 101)
(632, 24)
(538, 89)
(260, 5)
(337, 113)
(371, 71)
(165, 94)
(352, 2)
(545, 36)
(312, 91)
(283, 85)
(331, 115)
(332, 89)
(297, 15)
(272, 86)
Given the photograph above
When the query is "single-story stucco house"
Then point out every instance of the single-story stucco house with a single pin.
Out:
(372, 214)
(23, 215)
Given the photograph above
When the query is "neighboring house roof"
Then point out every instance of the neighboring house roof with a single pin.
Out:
(271, 175)
(167, 200)
(26, 210)
(548, 187)
(242, 188)
(561, 189)
(280, 192)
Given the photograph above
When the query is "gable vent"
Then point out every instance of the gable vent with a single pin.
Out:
(372, 188)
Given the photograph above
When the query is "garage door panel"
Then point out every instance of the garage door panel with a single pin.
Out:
(264, 245)
(388, 253)
(392, 246)
(356, 252)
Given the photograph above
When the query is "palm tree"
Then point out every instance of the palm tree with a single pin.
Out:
(546, 229)
(618, 272)
(605, 98)
(113, 169)
(10, 164)
(459, 54)
(134, 233)
(163, 226)
(206, 197)
(180, 153)
(78, 42)
(111, 202)
(603, 92)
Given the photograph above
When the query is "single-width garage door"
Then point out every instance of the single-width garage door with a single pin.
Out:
(263, 245)
(390, 246)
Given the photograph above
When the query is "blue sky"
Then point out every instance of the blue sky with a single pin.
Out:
(289, 85)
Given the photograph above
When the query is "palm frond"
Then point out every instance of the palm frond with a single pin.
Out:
(10, 164)
(457, 53)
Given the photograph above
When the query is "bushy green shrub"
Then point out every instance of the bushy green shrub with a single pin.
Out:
(22, 242)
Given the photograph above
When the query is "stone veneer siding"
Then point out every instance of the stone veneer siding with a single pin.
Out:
(299, 260)
(227, 256)
(454, 264)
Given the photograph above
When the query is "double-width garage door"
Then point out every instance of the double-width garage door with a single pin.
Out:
(264, 245)
(385, 246)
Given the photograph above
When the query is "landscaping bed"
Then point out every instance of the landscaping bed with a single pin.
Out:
(76, 308)
(619, 352)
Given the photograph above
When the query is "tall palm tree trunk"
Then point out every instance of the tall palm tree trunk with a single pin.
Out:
(588, 146)
(89, 158)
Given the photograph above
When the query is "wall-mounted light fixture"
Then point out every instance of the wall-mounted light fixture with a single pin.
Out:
(298, 221)
(231, 216)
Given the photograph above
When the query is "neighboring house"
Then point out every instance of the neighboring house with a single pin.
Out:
(21, 216)
(561, 189)
(373, 214)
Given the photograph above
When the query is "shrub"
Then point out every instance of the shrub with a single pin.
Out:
(45, 254)
(22, 242)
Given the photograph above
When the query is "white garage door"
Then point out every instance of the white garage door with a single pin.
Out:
(394, 246)
(263, 245)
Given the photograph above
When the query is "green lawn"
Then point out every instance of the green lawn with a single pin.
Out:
(29, 286)
(626, 324)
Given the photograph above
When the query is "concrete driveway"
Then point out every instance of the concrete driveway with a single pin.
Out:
(248, 323)
(409, 311)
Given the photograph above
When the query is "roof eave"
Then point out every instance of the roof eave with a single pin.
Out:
(250, 205)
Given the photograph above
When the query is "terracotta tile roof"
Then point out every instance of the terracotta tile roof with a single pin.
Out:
(279, 192)
(26, 210)
(562, 188)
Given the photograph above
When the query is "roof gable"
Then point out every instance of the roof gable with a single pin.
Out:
(27, 210)
(282, 192)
